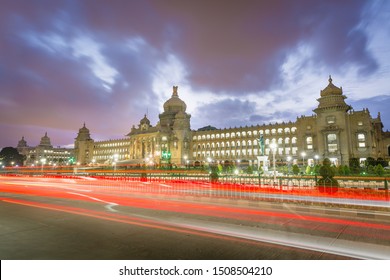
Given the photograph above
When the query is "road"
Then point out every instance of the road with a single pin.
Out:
(60, 218)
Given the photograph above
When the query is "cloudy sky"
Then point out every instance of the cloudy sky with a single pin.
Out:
(242, 62)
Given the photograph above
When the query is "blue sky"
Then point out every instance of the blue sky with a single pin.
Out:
(237, 63)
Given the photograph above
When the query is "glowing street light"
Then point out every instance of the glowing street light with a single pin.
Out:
(303, 154)
(115, 157)
(43, 161)
(316, 158)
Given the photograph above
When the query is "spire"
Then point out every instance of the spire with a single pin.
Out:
(175, 91)
(330, 79)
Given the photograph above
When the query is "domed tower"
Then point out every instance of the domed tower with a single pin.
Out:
(83, 146)
(175, 128)
(333, 124)
(45, 142)
(332, 99)
(144, 123)
(23, 149)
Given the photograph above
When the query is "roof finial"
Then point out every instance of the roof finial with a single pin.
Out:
(175, 91)
(330, 79)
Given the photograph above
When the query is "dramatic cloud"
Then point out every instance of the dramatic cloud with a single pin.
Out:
(236, 63)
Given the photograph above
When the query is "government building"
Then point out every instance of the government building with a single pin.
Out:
(335, 131)
(44, 153)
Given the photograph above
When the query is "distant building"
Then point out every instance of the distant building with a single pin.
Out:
(334, 131)
(44, 153)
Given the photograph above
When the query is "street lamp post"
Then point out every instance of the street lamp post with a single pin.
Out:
(43, 161)
(115, 157)
(273, 146)
(288, 164)
(303, 154)
(316, 158)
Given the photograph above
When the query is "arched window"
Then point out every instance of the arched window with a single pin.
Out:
(294, 140)
(293, 129)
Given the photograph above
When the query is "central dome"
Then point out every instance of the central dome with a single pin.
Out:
(175, 104)
(331, 89)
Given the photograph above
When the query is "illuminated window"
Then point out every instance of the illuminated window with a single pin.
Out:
(294, 140)
(332, 142)
(331, 120)
(309, 143)
(293, 129)
(361, 137)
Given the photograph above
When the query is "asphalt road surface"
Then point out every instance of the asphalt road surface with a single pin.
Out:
(64, 219)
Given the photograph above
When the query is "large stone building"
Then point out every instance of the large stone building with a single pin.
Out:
(335, 131)
(44, 153)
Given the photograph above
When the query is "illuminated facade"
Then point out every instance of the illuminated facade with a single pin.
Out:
(44, 153)
(334, 131)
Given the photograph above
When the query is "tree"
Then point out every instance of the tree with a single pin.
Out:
(370, 161)
(382, 162)
(214, 173)
(327, 183)
(295, 169)
(347, 171)
(340, 170)
(379, 170)
(10, 156)
(354, 165)
(249, 170)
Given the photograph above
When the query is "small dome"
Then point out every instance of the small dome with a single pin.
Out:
(144, 120)
(45, 141)
(84, 129)
(22, 142)
(175, 104)
(83, 134)
(331, 89)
